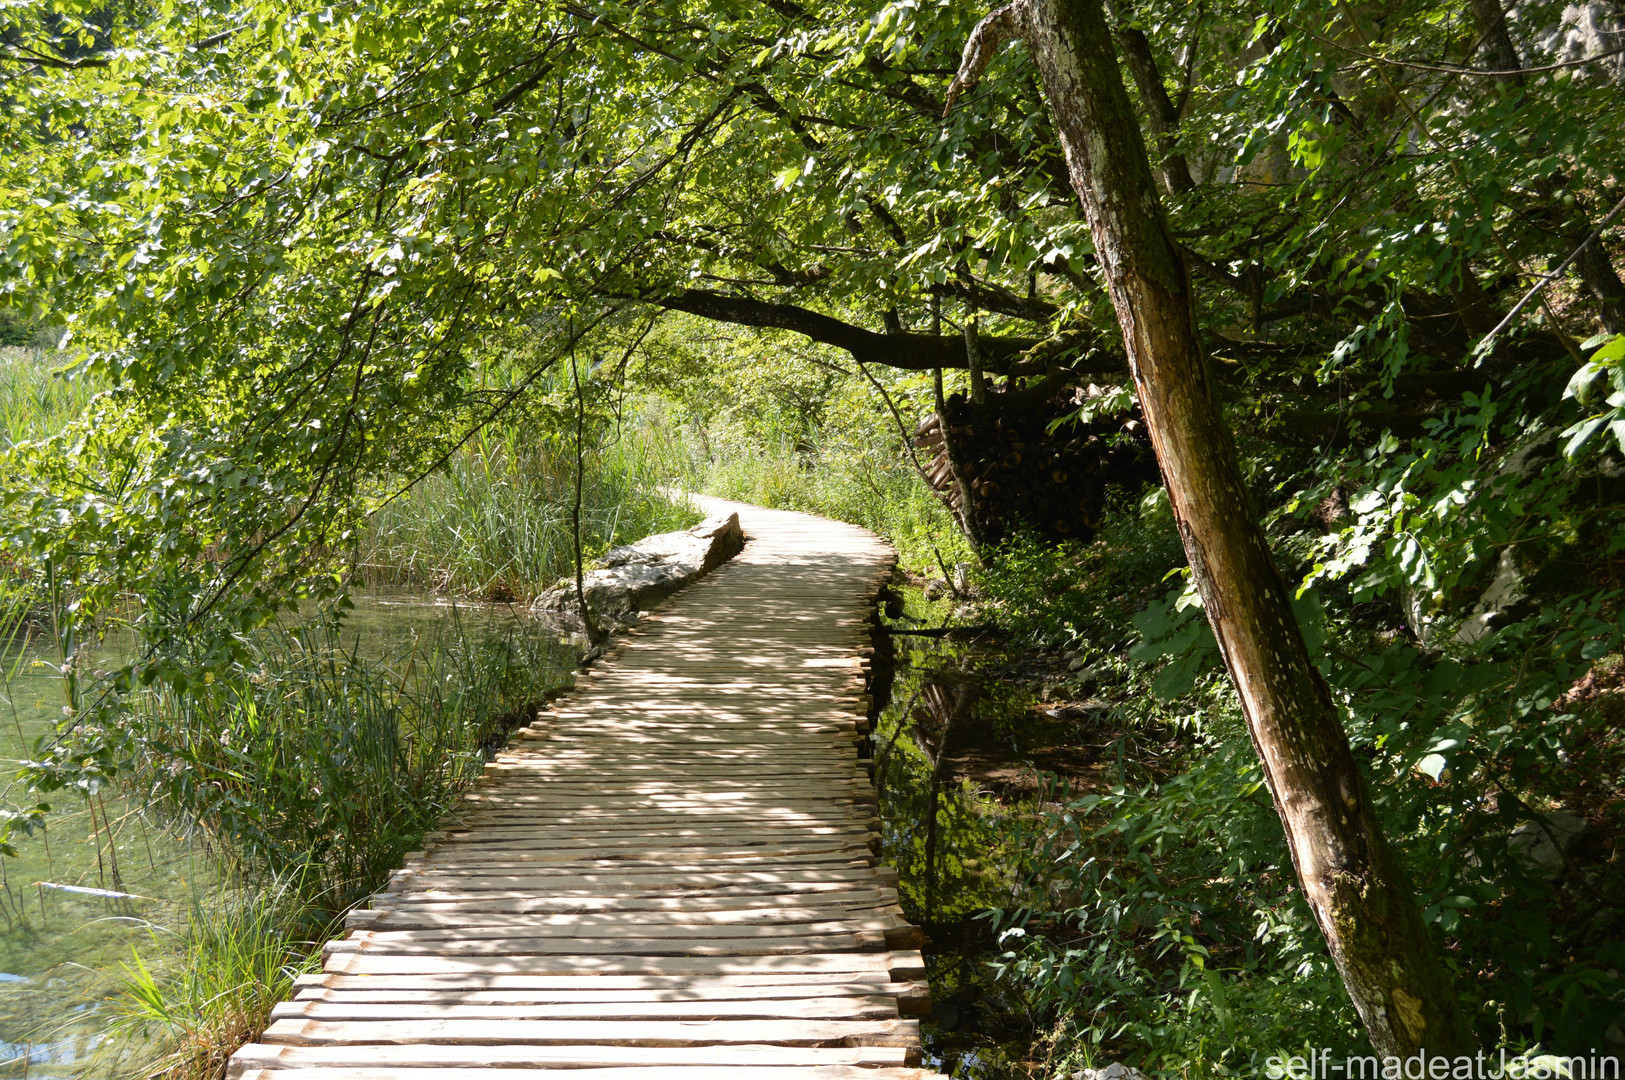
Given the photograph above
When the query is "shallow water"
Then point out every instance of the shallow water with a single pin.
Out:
(962, 760)
(108, 878)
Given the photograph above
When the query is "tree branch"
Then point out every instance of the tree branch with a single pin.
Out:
(910, 352)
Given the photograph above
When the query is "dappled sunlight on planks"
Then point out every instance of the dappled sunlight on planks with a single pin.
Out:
(670, 875)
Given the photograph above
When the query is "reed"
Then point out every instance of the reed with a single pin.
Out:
(208, 988)
(310, 759)
(37, 398)
(495, 522)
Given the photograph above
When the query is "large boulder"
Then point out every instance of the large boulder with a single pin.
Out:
(637, 576)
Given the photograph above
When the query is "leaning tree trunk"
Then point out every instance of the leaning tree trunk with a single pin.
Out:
(1348, 873)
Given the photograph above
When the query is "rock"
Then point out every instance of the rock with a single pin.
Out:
(1114, 1071)
(962, 578)
(1542, 847)
(1504, 591)
(636, 576)
(1078, 663)
(936, 589)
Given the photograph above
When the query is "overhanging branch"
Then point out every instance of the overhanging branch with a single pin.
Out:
(910, 352)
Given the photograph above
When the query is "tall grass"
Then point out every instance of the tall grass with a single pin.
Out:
(495, 523)
(181, 1015)
(848, 473)
(36, 398)
(310, 759)
(36, 401)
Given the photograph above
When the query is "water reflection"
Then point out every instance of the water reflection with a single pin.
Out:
(963, 758)
(81, 898)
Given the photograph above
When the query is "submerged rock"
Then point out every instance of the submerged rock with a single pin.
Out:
(637, 576)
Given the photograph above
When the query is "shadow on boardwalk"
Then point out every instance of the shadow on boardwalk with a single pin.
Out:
(670, 874)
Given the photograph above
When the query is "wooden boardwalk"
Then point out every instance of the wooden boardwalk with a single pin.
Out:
(672, 874)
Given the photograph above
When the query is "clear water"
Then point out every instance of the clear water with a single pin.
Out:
(63, 939)
(964, 757)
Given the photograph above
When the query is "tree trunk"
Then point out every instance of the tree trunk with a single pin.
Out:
(1160, 113)
(973, 357)
(1348, 874)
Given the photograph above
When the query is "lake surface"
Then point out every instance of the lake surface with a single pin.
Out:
(109, 878)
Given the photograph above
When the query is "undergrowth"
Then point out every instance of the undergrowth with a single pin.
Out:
(494, 523)
(1160, 922)
(205, 989)
(1152, 915)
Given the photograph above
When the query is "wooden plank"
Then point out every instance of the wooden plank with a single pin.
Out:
(737, 832)
(649, 921)
(711, 788)
(659, 832)
(766, 981)
(590, 769)
(582, 926)
(642, 939)
(664, 1072)
(769, 804)
(896, 965)
(854, 1007)
(452, 860)
(686, 993)
(856, 899)
(558, 945)
(497, 1059)
(449, 854)
(608, 1032)
(545, 878)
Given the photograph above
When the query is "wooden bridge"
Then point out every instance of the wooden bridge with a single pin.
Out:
(671, 875)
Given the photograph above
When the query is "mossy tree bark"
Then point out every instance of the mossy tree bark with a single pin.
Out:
(1348, 873)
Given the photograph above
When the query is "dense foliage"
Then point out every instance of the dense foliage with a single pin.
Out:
(307, 254)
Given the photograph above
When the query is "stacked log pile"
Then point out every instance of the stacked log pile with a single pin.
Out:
(1020, 472)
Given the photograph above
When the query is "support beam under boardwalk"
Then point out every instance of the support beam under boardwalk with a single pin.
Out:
(671, 876)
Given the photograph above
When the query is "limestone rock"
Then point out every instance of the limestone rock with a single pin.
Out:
(1542, 847)
(636, 576)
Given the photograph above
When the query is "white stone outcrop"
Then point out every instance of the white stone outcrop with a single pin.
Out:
(637, 576)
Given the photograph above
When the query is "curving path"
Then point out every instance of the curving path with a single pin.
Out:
(669, 875)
